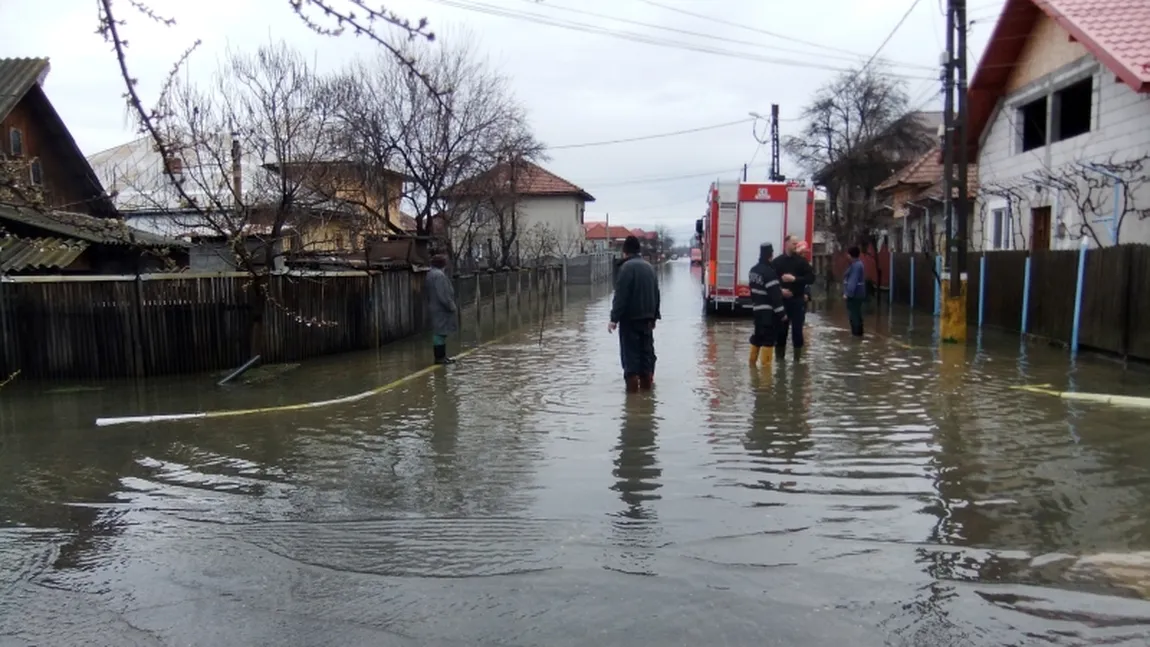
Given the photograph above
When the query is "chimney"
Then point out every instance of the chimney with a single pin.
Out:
(237, 168)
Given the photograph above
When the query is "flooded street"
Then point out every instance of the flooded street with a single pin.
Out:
(883, 493)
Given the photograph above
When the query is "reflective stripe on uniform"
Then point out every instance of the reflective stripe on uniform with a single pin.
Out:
(771, 284)
(761, 307)
(780, 309)
(758, 291)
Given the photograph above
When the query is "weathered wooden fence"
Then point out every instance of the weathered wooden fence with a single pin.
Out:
(1115, 297)
(109, 327)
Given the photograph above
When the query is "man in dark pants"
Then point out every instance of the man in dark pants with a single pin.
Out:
(854, 291)
(796, 274)
(441, 308)
(634, 311)
(767, 305)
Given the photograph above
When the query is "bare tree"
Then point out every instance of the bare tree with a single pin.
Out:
(441, 142)
(1090, 187)
(858, 132)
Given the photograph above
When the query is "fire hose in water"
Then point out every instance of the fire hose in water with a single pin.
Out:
(1127, 401)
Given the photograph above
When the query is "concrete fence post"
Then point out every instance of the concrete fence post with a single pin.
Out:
(1026, 295)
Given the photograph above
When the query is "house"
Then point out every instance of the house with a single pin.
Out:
(601, 237)
(852, 211)
(40, 162)
(542, 204)
(914, 198)
(38, 241)
(338, 210)
(1059, 103)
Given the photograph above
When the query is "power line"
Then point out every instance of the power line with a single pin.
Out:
(648, 137)
(769, 33)
(889, 36)
(645, 39)
(667, 178)
(852, 56)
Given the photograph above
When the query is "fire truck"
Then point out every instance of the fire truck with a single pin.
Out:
(741, 216)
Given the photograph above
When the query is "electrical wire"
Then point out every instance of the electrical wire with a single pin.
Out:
(857, 55)
(851, 56)
(888, 37)
(636, 37)
(649, 137)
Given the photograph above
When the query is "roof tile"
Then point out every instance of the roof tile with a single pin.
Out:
(531, 179)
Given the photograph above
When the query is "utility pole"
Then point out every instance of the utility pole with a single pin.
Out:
(963, 198)
(947, 141)
(776, 171)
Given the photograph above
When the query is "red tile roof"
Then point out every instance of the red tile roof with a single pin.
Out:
(926, 169)
(598, 230)
(530, 178)
(1115, 31)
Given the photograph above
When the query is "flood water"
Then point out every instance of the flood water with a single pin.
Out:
(883, 493)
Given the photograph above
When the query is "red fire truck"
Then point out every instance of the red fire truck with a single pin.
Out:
(741, 216)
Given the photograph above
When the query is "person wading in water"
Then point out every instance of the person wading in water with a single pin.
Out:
(767, 305)
(796, 274)
(854, 291)
(634, 311)
(441, 308)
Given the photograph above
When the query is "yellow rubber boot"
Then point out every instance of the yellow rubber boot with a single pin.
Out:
(767, 356)
(755, 355)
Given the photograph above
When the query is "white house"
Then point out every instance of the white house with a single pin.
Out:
(546, 206)
(1060, 98)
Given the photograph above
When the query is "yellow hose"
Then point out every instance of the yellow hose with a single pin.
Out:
(1127, 401)
(229, 413)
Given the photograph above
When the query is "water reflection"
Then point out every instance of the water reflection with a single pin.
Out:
(634, 528)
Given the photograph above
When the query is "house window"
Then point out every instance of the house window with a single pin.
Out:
(1072, 114)
(174, 165)
(1001, 230)
(36, 173)
(16, 142)
(1032, 122)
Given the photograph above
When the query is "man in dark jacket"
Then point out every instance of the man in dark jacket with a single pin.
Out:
(767, 305)
(634, 311)
(795, 274)
(854, 291)
(441, 308)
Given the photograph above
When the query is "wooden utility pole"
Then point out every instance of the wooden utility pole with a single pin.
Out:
(963, 197)
(955, 163)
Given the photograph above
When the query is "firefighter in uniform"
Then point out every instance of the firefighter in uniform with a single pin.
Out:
(767, 305)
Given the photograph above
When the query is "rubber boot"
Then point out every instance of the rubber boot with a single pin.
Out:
(766, 358)
(632, 383)
(755, 354)
(441, 355)
(646, 382)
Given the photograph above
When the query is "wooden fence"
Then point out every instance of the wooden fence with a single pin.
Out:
(1115, 296)
(110, 327)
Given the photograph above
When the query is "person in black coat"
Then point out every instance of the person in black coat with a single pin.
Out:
(634, 311)
(766, 304)
(795, 274)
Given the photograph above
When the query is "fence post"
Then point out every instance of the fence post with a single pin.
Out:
(1025, 293)
(137, 331)
(1078, 297)
(981, 287)
(890, 280)
(937, 285)
(913, 285)
(478, 299)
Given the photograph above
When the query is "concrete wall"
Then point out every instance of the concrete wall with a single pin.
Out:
(1120, 131)
(589, 269)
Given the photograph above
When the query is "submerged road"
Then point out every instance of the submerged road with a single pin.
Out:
(882, 493)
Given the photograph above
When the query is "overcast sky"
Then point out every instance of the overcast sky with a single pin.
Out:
(579, 84)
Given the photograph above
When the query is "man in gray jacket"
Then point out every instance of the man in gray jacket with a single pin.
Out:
(634, 310)
(441, 308)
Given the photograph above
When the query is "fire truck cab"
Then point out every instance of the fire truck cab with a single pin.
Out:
(741, 216)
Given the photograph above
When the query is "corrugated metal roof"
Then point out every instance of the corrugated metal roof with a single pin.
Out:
(104, 231)
(17, 75)
(34, 253)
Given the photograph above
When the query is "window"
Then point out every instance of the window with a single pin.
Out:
(1032, 124)
(1001, 230)
(15, 142)
(36, 173)
(1072, 110)
(174, 165)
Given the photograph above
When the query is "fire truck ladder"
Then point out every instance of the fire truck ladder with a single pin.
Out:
(725, 278)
